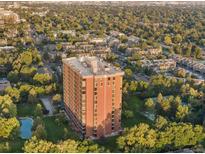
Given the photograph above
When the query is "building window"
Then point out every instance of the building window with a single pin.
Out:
(113, 127)
(83, 97)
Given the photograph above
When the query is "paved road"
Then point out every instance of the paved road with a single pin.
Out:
(48, 105)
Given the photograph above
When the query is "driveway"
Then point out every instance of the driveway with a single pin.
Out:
(48, 105)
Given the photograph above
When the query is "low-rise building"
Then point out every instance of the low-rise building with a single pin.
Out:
(147, 52)
(190, 63)
(133, 40)
(8, 17)
(116, 34)
(10, 33)
(7, 49)
(97, 41)
(4, 83)
(3, 42)
(161, 65)
(95, 47)
(2, 69)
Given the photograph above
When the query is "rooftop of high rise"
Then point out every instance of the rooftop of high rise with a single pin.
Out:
(88, 66)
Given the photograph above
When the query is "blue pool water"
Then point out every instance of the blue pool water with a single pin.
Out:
(25, 129)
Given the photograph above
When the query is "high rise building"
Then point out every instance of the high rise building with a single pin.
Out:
(93, 95)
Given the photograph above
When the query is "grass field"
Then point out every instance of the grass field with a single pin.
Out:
(55, 131)
(109, 143)
(26, 109)
(13, 145)
(16, 145)
(136, 105)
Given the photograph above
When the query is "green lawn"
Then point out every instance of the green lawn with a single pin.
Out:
(14, 145)
(109, 143)
(136, 105)
(26, 109)
(55, 132)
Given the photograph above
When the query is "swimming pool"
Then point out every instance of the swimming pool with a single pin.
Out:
(25, 129)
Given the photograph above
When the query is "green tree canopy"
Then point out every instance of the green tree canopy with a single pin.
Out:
(8, 127)
(7, 108)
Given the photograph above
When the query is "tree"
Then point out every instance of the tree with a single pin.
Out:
(40, 132)
(177, 38)
(65, 133)
(182, 111)
(159, 98)
(8, 127)
(179, 135)
(140, 138)
(128, 72)
(42, 78)
(59, 47)
(133, 86)
(187, 51)
(27, 72)
(160, 122)
(4, 147)
(35, 145)
(7, 108)
(67, 146)
(167, 40)
(128, 114)
(13, 76)
(181, 73)
(149, 104)
(197, 53)
(56, 98)
(26, 58)
(13, 93)
(165, 105)
(38, 110)
(87, 146)
(178, 49)
(32, 97)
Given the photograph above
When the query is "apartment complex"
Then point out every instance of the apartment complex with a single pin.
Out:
(148, 52)
(93, 96)
(8, 17)
(160, 65)
(190, 63)
(93, 47)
